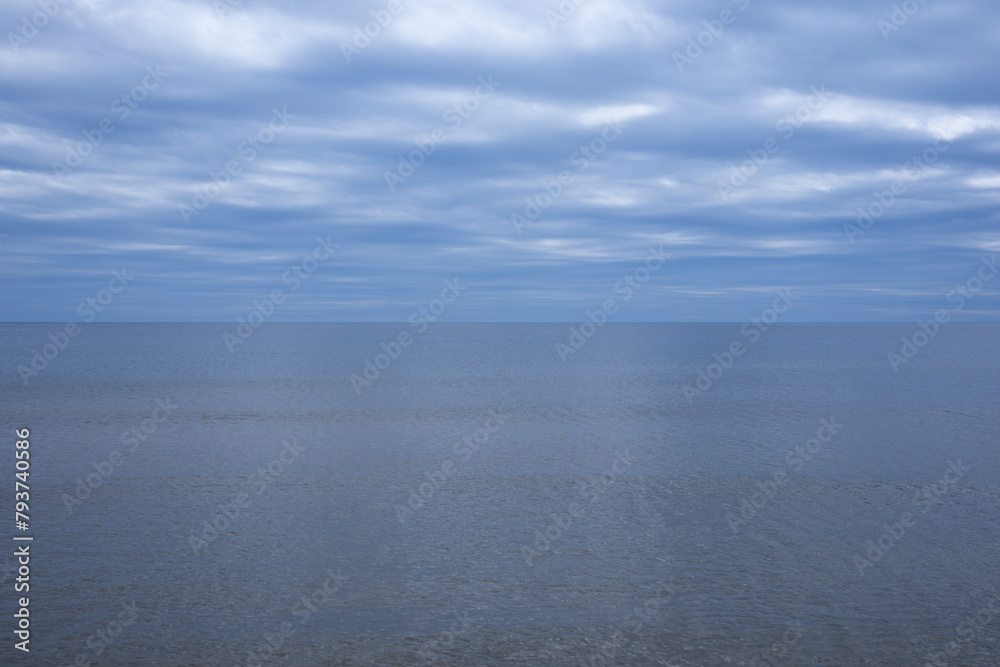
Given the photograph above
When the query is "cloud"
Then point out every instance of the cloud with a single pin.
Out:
(409, 101)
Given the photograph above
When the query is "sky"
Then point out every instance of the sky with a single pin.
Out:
(338, 162)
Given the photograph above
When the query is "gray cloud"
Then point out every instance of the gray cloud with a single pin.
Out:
(220, 74)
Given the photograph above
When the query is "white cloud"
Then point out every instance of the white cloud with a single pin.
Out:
(241, 36)
(937, 122)
(989, 181)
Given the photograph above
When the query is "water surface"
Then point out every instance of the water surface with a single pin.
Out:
(435, 544)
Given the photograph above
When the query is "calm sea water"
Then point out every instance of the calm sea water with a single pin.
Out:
(596, 513)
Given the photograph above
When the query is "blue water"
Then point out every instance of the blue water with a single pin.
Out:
(414, 548)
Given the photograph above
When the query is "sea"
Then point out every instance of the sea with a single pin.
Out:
(503, 494)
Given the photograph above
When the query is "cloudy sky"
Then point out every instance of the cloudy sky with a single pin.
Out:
(535, 151)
